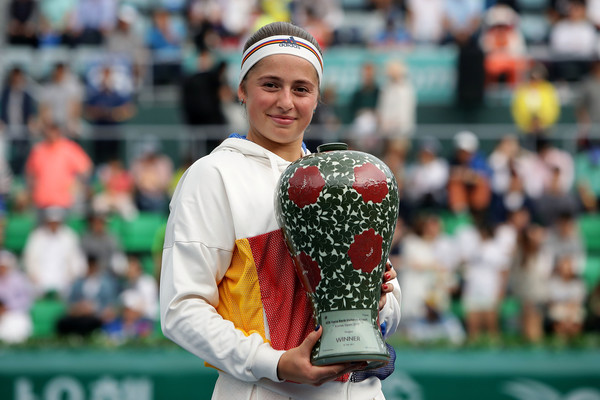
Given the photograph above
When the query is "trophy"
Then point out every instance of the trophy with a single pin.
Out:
(337, 209)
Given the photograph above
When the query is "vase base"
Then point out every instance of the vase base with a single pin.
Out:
(373, 360)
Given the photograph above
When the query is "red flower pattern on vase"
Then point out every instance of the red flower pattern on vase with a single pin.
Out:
(366, 250)
(310, 272)
(370, 182)
(305, 186)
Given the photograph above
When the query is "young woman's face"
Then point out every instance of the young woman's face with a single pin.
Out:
(281, 94)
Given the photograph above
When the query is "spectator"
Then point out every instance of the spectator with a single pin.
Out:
(530, 277)
(564, 240)
(320, 18)
(421, 272)
(101, 244)
(427, 178)
(425, 20)
(61, 100)
(593, 309)
(22, 16)
(17, 116)
(397, 104)
(393, 34)
(587, 177)
(57, 168)
(327, 115)
(91, 303)
(16, 291)
(535, 105)
(566, 299)
(117, 193)
(462, 20)
(593, 12)
(6, 180)
(558, 10)
(91, 21)
(573, 43)
(469, 181)
(508, 188)
(131, 323)
(201, 93)
(126, 42)
(587, 104)
(54, 21)
(485, 273)
(365, 96)
(557, 176)
(15, 327)
(152, 173)
(144, 286)
(106, 108)
(52, 257)
(436, 327)
(165, 40)
(204, 23)
(504, 46)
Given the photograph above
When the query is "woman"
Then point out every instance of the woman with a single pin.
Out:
(229, 293)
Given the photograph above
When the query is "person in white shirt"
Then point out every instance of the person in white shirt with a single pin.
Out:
(52, 256)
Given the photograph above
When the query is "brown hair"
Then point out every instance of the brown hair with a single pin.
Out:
(281, 28)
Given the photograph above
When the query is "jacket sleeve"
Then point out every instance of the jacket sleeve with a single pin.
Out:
(390, 314)
(197, 252)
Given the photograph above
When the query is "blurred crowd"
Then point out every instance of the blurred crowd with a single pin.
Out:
(515, 240)
(519, 198)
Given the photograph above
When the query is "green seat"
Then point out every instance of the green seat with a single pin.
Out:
(45, 313)
(18, 227)
(78, 224)
(451, 221)
(591, 274)
(137, 236)
(589, 226)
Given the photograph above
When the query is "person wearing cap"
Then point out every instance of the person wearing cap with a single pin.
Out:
(224, 251)
(469, 181)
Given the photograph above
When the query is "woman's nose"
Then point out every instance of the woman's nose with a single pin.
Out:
(285, 100)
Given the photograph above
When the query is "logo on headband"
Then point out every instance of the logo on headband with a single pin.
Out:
(289, 43)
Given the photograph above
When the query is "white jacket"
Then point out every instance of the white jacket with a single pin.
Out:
(223, 203)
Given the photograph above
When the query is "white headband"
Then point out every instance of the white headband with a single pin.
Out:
(282, 45)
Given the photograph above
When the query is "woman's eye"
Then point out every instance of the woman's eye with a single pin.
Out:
(270, 85)
(302, 89)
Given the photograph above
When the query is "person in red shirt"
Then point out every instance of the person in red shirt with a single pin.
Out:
(55, 169)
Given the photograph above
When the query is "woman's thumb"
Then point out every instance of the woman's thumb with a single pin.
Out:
(313, 337)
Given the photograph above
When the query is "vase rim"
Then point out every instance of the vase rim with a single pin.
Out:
(332, 147)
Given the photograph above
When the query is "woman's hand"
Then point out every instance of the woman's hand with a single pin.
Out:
(386, 287)
(295, 366)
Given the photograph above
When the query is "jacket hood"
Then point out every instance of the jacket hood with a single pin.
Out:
(254, 151)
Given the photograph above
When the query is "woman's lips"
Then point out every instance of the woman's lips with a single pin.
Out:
(282, 119)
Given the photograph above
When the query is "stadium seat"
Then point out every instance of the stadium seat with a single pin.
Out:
(533, 5)
(591, 274)
(138, 235)
(78, 224)
(589, 226)
(45, 313)
(535, 27)
(18, 227)
(451, 222)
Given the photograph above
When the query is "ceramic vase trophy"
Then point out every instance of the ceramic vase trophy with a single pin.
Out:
(338, 209)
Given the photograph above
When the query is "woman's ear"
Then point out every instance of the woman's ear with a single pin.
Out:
(241, 93)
